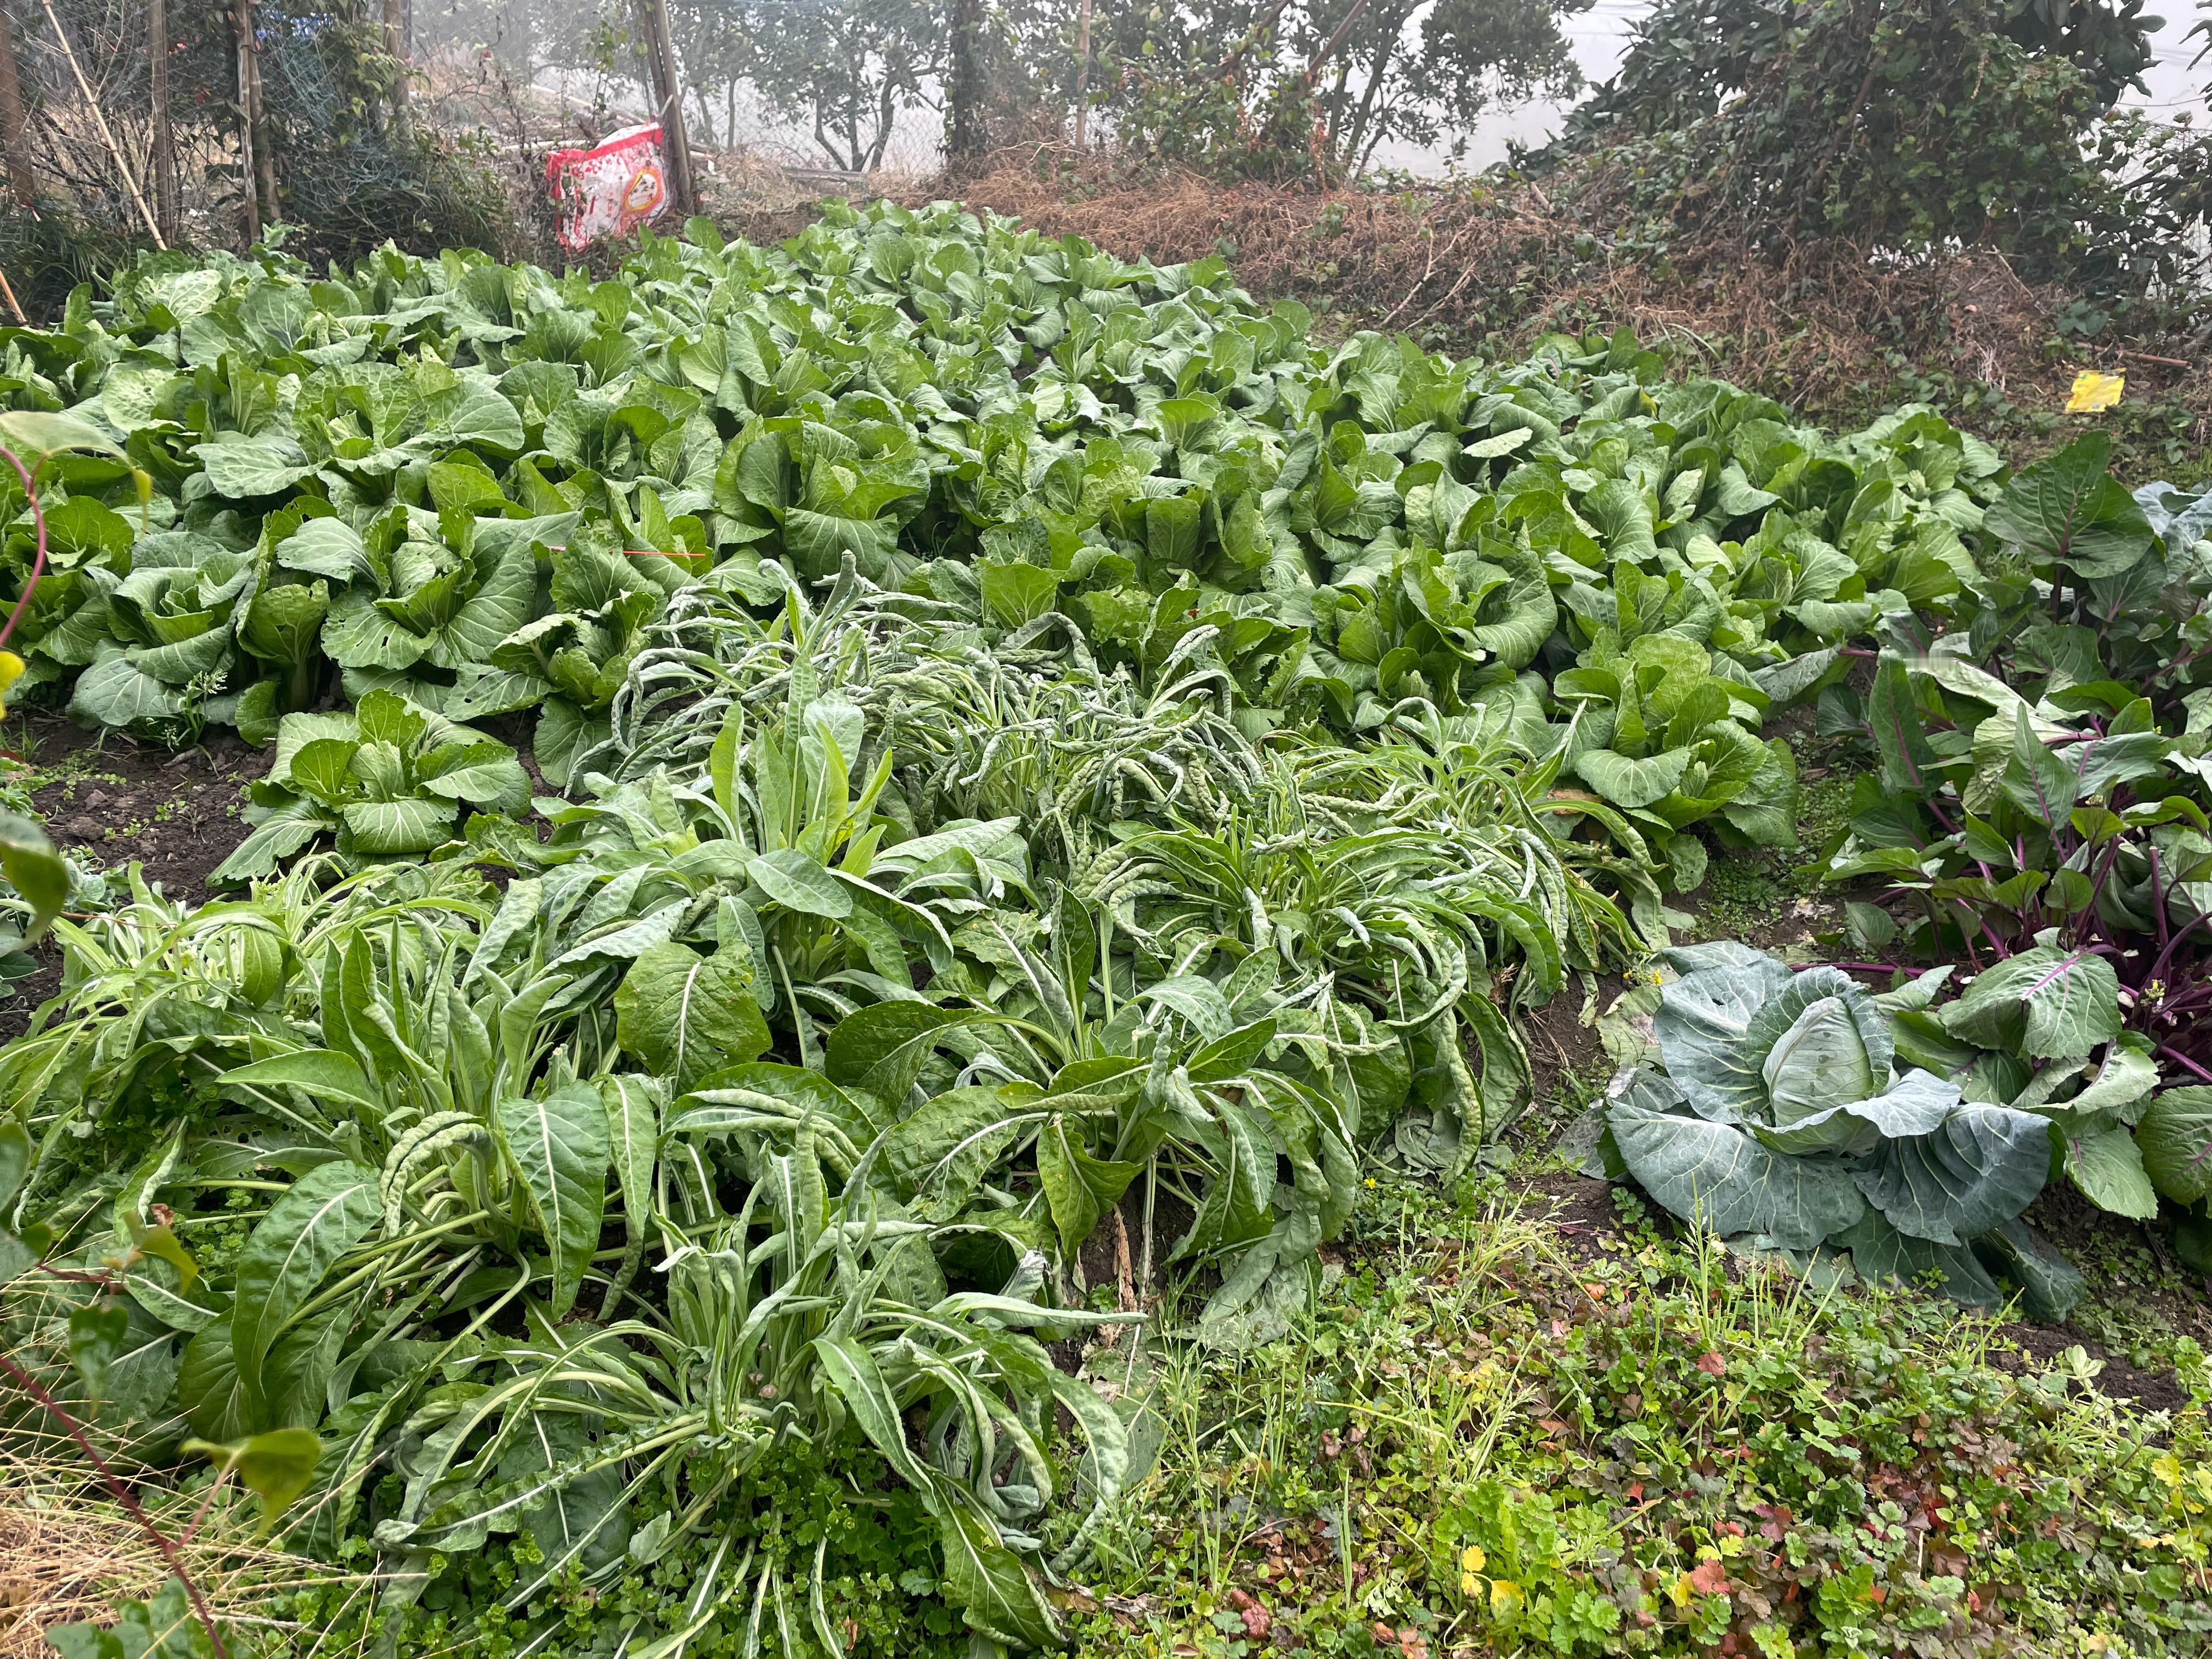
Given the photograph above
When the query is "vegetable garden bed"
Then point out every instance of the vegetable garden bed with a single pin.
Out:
(796, 789)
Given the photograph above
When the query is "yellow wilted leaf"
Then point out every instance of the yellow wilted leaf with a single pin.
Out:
(1505, 1597)
(2167, 1468)
(1684, 1591)
(1474, 1559)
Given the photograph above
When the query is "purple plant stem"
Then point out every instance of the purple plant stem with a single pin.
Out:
(2180, 1058)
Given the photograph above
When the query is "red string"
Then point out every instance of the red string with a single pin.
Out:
(37, 564)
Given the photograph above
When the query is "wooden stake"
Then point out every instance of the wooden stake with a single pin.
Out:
(395, 42)
(1082, 69)
(668, 95)
(164, 152)
(2146, 357)
(265, 153)
(249, 188)
(14, 144)
(14, 304)
(100, 121)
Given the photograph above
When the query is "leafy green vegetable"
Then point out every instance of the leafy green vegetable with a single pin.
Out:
(388, 780)
(1777, 1114)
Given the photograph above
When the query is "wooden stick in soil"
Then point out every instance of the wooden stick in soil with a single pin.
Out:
(164, 149)
(14, 143)
(668, 95)
(265, 153)
(100, 120)
(14, 304)
(395, 42)
(242, 21)
(124, 1497)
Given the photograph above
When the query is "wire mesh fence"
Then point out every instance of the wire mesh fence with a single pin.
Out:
(428, 121)
(195, 122)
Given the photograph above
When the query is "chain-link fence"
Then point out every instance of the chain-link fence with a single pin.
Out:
(197, 123)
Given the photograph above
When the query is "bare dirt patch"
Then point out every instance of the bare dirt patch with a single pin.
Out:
(113, 801)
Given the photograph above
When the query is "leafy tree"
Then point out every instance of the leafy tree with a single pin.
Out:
(1414, 72)
(1908, 121)
(1295, 87)
(843, 70)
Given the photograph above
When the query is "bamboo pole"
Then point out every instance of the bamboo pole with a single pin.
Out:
(165, 151)
(14, 141)
(668, 95)
(100, 120)
(395, 42)
(14, 304)
(248, 184)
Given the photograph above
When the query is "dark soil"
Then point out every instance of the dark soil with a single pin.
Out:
(1561, 1045)
(2149, 1390)
(116, 801)
(1580, 1209)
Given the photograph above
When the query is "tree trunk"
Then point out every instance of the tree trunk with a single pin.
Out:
(14, 139)
(1358, 146)
(165, 144)
(963, 126)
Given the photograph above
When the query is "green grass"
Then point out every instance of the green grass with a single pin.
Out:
(1495, 1437)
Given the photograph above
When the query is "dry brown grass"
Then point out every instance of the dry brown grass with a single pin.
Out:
(69, 1550)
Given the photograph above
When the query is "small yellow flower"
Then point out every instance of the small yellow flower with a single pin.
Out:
(11, 670)
(1370, 1180)
(1474, 1560)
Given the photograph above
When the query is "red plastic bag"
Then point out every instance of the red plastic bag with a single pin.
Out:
(610, 189)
